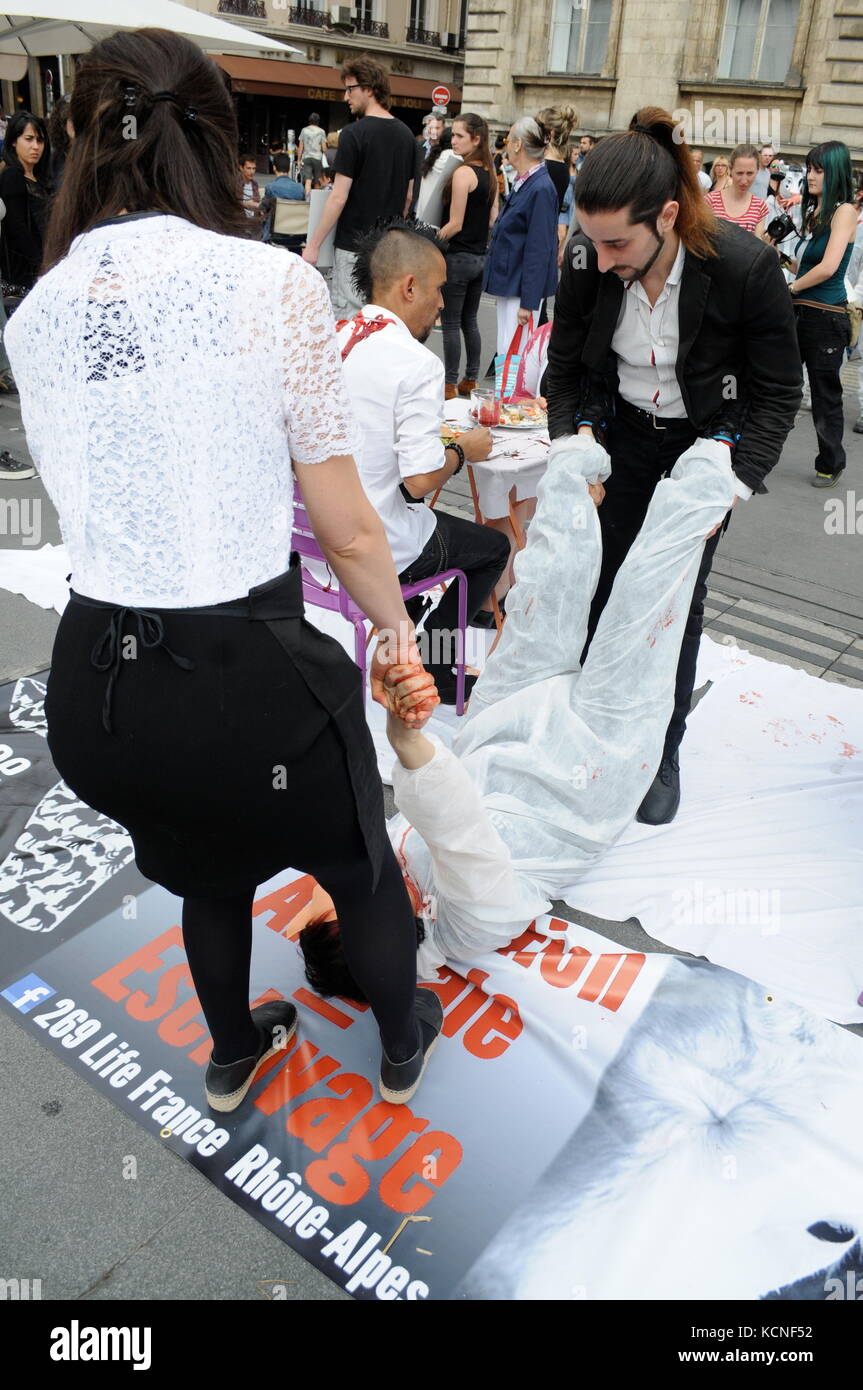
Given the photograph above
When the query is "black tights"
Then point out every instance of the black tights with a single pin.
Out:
(378, 937)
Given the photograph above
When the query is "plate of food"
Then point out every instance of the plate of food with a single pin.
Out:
(450, 432)
(520, 415)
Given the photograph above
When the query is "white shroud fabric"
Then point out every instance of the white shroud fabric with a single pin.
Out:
(560, 757)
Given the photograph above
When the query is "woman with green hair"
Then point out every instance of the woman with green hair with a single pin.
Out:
(823, 329)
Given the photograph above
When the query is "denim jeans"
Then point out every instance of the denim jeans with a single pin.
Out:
(343, 293)
(823, 336)
(456, 543)
(461, 296)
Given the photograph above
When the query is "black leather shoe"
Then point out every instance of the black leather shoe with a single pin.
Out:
(399, 1080)
(663, 795)
(227, 1085)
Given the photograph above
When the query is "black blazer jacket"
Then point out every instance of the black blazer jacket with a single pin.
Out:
(738, 365)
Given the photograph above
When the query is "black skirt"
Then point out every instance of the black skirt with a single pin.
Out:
(229, 741)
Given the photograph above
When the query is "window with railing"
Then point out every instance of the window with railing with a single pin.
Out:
(302, 14)
(249, 9)
(579, 36)
(365, 21)
(758, 39)
(419, 21)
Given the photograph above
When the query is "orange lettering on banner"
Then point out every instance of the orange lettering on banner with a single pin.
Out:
(317, 1122)
(298, 1074)
(394, 1189)
(139, 1005)
(286, 902)
(501, 1018)
(448, 988)
(468, 1006)
(562, 976)
(148, 958)
(320, 1006)
(517, 948)
(623, 980)
(340, 1177)
(598, 978)
(177, 1029)
(202, 1054)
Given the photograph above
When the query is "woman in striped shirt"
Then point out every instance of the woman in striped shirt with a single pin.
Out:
(736, 203)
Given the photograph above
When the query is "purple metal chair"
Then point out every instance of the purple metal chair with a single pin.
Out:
(336, 600)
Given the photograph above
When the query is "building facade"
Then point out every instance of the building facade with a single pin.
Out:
(788, 72)
(419, 42)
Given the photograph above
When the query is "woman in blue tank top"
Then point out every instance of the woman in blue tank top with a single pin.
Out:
(823, 330)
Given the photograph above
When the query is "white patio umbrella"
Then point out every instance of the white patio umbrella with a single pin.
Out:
(74, 26)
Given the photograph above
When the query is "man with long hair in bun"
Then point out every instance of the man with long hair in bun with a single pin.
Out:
(669, 326)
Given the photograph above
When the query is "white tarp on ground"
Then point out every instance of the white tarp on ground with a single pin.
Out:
(762, 870)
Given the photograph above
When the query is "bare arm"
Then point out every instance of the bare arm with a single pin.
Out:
(336, 200)
(352, 537)
(842, 230)
(464, 182)
(409, 199)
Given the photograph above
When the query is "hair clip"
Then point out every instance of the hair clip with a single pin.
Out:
(190, 113)
(130, 96)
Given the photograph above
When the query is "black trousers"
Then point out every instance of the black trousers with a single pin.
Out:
(457, 543)
(640, 456)
(823, 336)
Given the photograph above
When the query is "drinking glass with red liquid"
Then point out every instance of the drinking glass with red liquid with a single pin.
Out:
(485, 408)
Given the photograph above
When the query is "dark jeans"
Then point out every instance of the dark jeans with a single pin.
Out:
(461, 296)
(457, 543)
(823, 336)
(640, 456)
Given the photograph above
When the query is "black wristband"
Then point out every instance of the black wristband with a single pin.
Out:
(459, 451)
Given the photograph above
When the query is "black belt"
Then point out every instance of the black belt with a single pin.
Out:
(647, 419)
(281, 597)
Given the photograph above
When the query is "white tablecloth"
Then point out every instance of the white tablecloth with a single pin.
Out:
(518, 459)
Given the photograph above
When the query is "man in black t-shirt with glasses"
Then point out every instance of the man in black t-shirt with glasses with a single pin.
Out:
(377, 164)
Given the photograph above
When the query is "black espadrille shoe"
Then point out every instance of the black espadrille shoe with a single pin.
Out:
(399, 1080)
(226, 1086)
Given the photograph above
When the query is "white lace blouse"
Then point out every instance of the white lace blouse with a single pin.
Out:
(167, 376)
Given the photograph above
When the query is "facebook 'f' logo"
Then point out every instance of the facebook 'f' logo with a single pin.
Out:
(27, 993)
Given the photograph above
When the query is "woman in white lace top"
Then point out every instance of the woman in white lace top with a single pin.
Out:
(175, 378)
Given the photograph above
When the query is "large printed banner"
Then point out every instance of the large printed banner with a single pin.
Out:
(595, 1124)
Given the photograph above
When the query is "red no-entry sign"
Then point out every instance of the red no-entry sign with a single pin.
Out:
(441, 96)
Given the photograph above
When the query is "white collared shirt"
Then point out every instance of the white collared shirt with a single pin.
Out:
(646, 341)
(395, 387)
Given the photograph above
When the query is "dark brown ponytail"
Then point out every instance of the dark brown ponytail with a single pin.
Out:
(136, 150)
(644, 169)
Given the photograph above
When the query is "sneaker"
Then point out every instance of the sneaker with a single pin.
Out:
(827, 479)
(227, 1085)
(399, 1080)
(663, 795)
(858, 425)
(15, 469)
